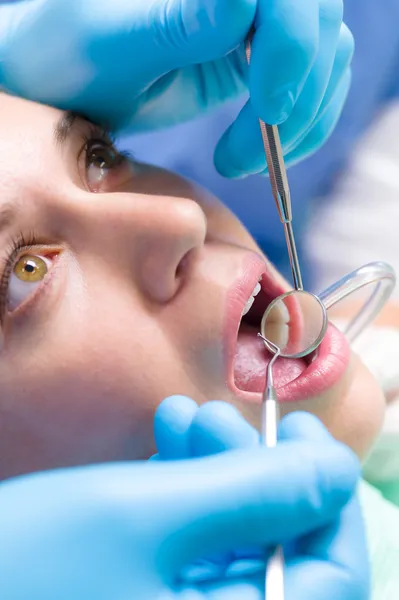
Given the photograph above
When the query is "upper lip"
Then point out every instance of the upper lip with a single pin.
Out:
(255, 270)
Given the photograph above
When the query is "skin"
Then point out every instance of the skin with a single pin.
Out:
(131, 310)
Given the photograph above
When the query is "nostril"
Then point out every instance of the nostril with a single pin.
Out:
(183, 265)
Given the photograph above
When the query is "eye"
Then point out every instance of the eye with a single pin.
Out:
(101, 158)
(27, 274)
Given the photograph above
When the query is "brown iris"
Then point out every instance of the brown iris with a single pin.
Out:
(30, 269)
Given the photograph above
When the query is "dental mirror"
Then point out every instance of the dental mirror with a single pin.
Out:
(294, 322)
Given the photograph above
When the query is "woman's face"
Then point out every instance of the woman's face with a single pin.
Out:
(122, 284)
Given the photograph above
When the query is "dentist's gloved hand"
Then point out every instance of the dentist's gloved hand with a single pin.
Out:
(143, 65)
(129, 530)
(328, 563)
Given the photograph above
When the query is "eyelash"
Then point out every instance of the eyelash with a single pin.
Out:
(27, 244)
(16, 246)
(99, 135)
(95, 133)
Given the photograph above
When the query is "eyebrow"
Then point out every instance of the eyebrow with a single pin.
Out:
(65, 126)
(70, 120)
(63, 129)
(7, 216)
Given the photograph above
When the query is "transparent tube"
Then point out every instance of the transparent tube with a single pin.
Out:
(380, 275)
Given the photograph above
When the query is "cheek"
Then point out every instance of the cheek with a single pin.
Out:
(223, 225)
(89, 390)
(352, 410)
(365, 405)
(71, 406)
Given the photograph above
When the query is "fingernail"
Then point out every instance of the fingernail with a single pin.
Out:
(280, 107)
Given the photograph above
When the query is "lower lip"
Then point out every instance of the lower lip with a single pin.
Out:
(321, 374)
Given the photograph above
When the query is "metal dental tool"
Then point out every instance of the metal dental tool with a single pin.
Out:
(279, 183)
(298, 337)
(270, 406)
(293, 325)
(295, 322)
(302, 314)
(274, 578)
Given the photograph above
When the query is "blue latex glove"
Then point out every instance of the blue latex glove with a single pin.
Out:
(117, 531)
(143, 65)
(332, 562)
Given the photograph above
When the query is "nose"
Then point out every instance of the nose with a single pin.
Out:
(166, 241)
(147, 238)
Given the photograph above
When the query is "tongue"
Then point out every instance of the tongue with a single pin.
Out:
(251, 361)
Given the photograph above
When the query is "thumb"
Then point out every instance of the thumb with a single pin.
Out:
(172, 423)
(217, 427)
(188, 32)
(184, 430)
(259, 496)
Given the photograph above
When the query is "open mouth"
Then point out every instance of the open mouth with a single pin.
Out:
(297, 378)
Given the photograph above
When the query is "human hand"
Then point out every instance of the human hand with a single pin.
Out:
(330, 562)
(143, 65)
(129, 530)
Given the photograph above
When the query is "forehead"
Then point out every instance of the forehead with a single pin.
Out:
(18, 116)
(26, 141)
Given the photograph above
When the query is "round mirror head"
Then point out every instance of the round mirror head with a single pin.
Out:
(295, 322)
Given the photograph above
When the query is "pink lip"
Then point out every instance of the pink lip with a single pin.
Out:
(322, 373)
(328, 367)
(254, 269)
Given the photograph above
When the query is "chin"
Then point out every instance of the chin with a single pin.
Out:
(352, 409)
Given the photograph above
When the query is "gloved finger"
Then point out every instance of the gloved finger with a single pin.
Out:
(295, 426)
(240, 150)
(189, 32)
(302, 426)
(217, 427)
(284, 46)
(172, 422)
(343, 59)
(332, 562)
(313, 92)
(184, 430)
(342, 64)
(168, 34)
(322, 129)
(258, 496)
(249, 587)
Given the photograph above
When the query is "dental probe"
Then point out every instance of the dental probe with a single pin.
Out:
(270, 406)
(279, 184)
(274, 579)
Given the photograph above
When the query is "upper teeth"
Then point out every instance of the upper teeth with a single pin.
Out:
(251, 299)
